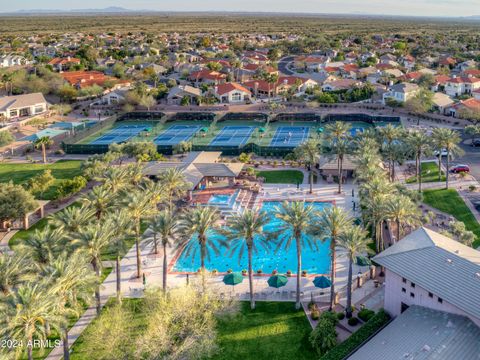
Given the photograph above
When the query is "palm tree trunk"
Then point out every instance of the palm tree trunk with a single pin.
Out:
(446, 170)
(417, 164)
(250, 278)
(440, 166)
(164, 267)
(96, 268)
(66, 350)
(333, 258)
(137, 247)
(299, 270)
(155, 245)
(349, 288)
(311, 181)
(29, 348)
(119, 288)
(339, 175)
(398, 230)
(44, 153)
(340, 180)
(202, 261)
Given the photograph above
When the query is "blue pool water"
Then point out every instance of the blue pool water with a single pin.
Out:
(315, 260)
(222, 199)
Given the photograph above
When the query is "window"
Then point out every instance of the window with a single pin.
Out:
(412, 295)
(404, 280)
(430, 295)
(413, 285)
(404, 290)
(440, 300)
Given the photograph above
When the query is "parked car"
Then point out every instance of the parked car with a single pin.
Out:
(476, 143)
(443, 153)
(460, 168)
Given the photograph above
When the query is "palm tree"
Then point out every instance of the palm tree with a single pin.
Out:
(138, 206)
(43, 143)
(24, 314)
(355, 241)
(245, 230)
(174, 183)
(447, 139)
(122, 230)
(43, 245)
(403, 211)
(115, 179)
(14, 270)
(419, 144)
(72, 280)
(100, 199)
(93, 241)
(309, 152)
(332, 222)
(389, 136)
(72, 218)
(165, 225)
(295, 221)
(195, 226)
(338, 135)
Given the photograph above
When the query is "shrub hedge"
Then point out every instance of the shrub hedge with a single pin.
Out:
(342, 350)
(366, 314)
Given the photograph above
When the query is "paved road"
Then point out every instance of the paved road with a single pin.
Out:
(282, 65)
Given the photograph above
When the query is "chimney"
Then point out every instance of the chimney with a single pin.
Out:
(285, 81)
(216, 89)
(68, 58)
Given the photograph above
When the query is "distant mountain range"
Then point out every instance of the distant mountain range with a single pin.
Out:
(111, 9)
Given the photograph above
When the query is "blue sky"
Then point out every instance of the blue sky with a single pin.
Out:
(394, 7)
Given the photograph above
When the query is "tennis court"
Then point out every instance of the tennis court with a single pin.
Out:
(290, 136)
(233, 136)
(176, 134)
(121, 134)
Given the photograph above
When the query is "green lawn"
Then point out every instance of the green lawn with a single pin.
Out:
(21, 173)
(281, 176)
(451, 203)
(274, 330)
(429, 173)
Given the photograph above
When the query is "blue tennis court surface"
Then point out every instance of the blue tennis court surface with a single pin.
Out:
(121, 134)
(355, 131)
(176, 134)
(290, 136)
(233, 136)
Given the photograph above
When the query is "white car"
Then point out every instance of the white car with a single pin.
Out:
(443, 153)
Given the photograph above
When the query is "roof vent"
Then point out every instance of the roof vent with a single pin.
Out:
(426, 348)
(457, 251)
(477, 274)
(450, 261)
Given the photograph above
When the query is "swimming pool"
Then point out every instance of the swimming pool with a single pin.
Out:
(315, 260)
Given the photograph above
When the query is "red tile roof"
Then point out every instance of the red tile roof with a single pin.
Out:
(228, 87)
(63, 61)
(86, 78)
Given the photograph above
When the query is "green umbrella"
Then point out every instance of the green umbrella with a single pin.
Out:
(204, 129)
(232, 279)
(357, 221)
(320, 130)
(363, 261)
(322, 282)
(262, 129)
(277, 281)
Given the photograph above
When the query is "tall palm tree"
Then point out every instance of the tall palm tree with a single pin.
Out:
(355, 241)
(309, 152)
(14, 270)
(195, 226)
(72, 218)
(419, 144)
(43, 245)
(339, 142)
(154, 190)
(403, 211)
(449, 140)
(332, 222)
(245, 230)
(389, 136)
(100, 199)
(166, 226)
(295, 221)
(72, 281)
(122, 230)
(138, 206)
(24, 313)
(43, 143)
(174, 183)
(93, 241)
(115, 178)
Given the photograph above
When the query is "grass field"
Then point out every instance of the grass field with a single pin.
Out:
(429, 173)
(451, 203)
(21, 173)
(273, 330)
(281, 176)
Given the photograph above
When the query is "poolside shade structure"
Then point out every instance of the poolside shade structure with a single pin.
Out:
(204, 129)
(322, 282)
(232, 279)
(277, 281)
(262, 129)
(362, 261)
(320, 130)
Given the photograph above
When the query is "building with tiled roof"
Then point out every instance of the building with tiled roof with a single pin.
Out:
(457, 86)
(229, 93)
(61, 64)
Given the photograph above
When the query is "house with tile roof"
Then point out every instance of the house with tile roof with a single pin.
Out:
(456, 86)
(232, 93)
(401, 92)
(62, 64)
(18, 106)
